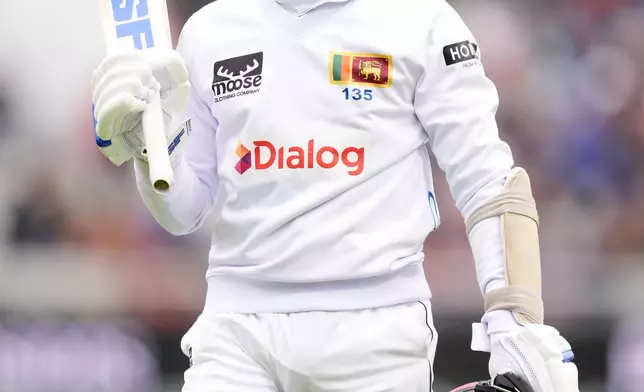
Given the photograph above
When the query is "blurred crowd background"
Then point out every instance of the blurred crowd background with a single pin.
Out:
(94, 296)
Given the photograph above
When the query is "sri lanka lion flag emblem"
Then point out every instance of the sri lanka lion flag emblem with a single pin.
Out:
(361, 69)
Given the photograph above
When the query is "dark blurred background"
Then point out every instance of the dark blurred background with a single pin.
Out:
(97, 302)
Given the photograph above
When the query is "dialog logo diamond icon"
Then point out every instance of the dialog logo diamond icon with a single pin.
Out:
(245, 159)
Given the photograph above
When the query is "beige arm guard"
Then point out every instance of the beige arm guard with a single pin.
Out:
(519, 228)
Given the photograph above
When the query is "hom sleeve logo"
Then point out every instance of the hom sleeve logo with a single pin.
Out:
(460, 52)
(237, 76)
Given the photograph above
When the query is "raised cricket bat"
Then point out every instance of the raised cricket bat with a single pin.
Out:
(143, 24)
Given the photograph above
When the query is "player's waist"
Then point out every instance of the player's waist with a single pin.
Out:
(242, 295)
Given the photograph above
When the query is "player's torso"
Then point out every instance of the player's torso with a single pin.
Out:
(313, 107)
(337, 76)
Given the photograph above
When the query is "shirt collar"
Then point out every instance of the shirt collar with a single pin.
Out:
(301, 7)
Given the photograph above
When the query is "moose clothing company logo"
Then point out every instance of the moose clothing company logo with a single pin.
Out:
(266, 155)
(361, 69)
(238, 76)
(460, 52)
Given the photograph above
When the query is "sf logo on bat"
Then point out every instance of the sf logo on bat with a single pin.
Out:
(238, 76)
(132, 19)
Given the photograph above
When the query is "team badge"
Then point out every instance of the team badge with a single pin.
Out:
(361, 69)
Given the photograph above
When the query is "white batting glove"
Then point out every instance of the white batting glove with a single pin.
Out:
(538, 354)
(123, 85)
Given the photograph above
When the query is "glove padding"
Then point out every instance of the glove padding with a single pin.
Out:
(538, 354)
(123, 85)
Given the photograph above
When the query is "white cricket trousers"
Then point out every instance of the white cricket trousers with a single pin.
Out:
(388, 349)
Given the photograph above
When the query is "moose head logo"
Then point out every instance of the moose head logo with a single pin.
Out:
(225, 73)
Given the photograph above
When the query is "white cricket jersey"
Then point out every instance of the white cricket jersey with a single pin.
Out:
(311, 124)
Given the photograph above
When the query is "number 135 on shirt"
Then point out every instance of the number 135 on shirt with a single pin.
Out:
(358, 94)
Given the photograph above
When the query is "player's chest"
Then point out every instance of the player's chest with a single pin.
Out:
(352, 72)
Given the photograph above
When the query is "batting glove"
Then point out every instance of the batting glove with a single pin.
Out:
(123, 85)
(536, 353)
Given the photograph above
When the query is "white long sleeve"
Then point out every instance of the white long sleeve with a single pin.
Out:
(192, 195)
(317, 160)
(457, 105)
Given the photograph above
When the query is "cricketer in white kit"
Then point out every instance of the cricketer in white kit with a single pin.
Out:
(304, 126)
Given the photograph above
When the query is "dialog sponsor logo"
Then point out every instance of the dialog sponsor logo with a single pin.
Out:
(264, 155)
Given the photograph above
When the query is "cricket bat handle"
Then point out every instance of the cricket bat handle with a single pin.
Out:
(156, 145)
